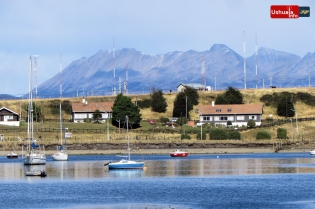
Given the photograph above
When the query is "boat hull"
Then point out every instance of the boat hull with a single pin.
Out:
(60, 156)
(35, 159)
(126, 165)
(178, 154)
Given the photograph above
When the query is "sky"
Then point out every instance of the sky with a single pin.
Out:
(80, 28)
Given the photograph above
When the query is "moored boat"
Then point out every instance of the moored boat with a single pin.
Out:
(312, 152)
(12, 155)
(178, 153)
(123, 163)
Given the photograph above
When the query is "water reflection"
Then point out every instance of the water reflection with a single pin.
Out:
(203, 165)
(125, 173)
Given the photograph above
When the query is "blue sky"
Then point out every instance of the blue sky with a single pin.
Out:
(80, 28)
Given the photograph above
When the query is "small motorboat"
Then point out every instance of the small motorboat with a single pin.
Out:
(12, 155)
(178, 153)
(312, 152)
(36, 173)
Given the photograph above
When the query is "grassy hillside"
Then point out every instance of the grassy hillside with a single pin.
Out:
(306, 129)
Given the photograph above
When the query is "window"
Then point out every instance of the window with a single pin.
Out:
(253, 117)
(206, 118)
(229, 110)
(218, 110)
(240, 117)
(223, 117)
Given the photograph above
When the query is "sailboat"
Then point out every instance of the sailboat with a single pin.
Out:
(34, 155)
(123, 163)
(62, 152)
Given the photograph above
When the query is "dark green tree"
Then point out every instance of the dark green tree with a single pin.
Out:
(285, 107)
(124, 106)
(192, 96)
(230, 96)
(158, 103)
(97, 116)
(189, 97)
(220, 99)
(180, 105)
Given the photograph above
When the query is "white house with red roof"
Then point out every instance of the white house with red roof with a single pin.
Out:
(238, 114)
(84, 110)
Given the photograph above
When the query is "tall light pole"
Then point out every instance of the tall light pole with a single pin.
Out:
(200, 120)
(186, 107)
(297, 126)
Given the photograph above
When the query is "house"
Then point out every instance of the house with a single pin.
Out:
(197, 86)
(238, 114)
(83, 110)
(9, 117)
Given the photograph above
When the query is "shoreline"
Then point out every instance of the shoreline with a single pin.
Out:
(166, 151)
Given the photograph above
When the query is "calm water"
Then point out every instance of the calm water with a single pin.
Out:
(277, 180)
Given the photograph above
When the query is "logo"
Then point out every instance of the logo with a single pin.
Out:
(284, 11)
(304, 11)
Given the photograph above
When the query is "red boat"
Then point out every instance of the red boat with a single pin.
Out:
(178, 153)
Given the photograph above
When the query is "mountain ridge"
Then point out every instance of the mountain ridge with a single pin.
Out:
(224, 67)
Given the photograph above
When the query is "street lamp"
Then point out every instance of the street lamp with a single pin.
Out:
(297, 126)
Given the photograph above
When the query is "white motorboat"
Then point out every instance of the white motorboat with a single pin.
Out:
(312, 152)
(34, 154)
(12, 155)
(126, 164)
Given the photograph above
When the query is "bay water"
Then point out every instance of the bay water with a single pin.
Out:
(269, 180)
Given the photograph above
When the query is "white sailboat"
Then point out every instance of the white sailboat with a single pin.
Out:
(62, 152)
(126, 164)
(34, 154)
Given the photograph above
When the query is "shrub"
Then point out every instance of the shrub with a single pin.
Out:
(281, 133)
(251, 123)
(218, 134)
(263, 135)
(164, 120)
(234, 135)
(185, 136)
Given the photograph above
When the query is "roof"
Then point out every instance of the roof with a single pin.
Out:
(192, 85)
(4, 108)
(91, 107)
(231, 109)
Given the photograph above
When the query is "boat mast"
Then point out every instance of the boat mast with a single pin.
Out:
(29, 106)
(128, 139)
(60, 103)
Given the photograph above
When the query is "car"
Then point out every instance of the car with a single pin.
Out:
(174, 120)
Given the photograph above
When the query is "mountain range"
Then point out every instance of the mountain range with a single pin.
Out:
(141, 72)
